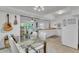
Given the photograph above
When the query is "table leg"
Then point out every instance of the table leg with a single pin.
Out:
(27, 50)
(44, 46)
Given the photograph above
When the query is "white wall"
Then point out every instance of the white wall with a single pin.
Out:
(16, 28)
(70, 33)
(49, 16)
(25, 19)
(43, 24)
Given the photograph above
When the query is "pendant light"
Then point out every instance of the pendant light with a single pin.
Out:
(15, 21)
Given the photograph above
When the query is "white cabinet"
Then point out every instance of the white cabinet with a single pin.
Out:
(49, 33)
(59, 32)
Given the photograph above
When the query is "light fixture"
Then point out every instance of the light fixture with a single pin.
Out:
(60, 11)
(39, 8)
(63, 11)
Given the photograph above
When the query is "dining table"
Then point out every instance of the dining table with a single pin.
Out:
(32, 44)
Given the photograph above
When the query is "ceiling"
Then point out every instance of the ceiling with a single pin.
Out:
(48, 9)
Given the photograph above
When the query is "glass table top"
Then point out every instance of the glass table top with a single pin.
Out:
(31, 42)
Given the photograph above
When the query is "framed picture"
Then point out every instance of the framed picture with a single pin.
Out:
(71, 21)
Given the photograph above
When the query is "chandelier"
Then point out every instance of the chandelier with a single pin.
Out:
(39, 8)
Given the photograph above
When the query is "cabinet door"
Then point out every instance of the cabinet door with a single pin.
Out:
(58, 32)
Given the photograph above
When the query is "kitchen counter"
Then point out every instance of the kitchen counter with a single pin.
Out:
(49, 32)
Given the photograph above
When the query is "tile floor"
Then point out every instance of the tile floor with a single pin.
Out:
(7, 50)
(54, 45)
